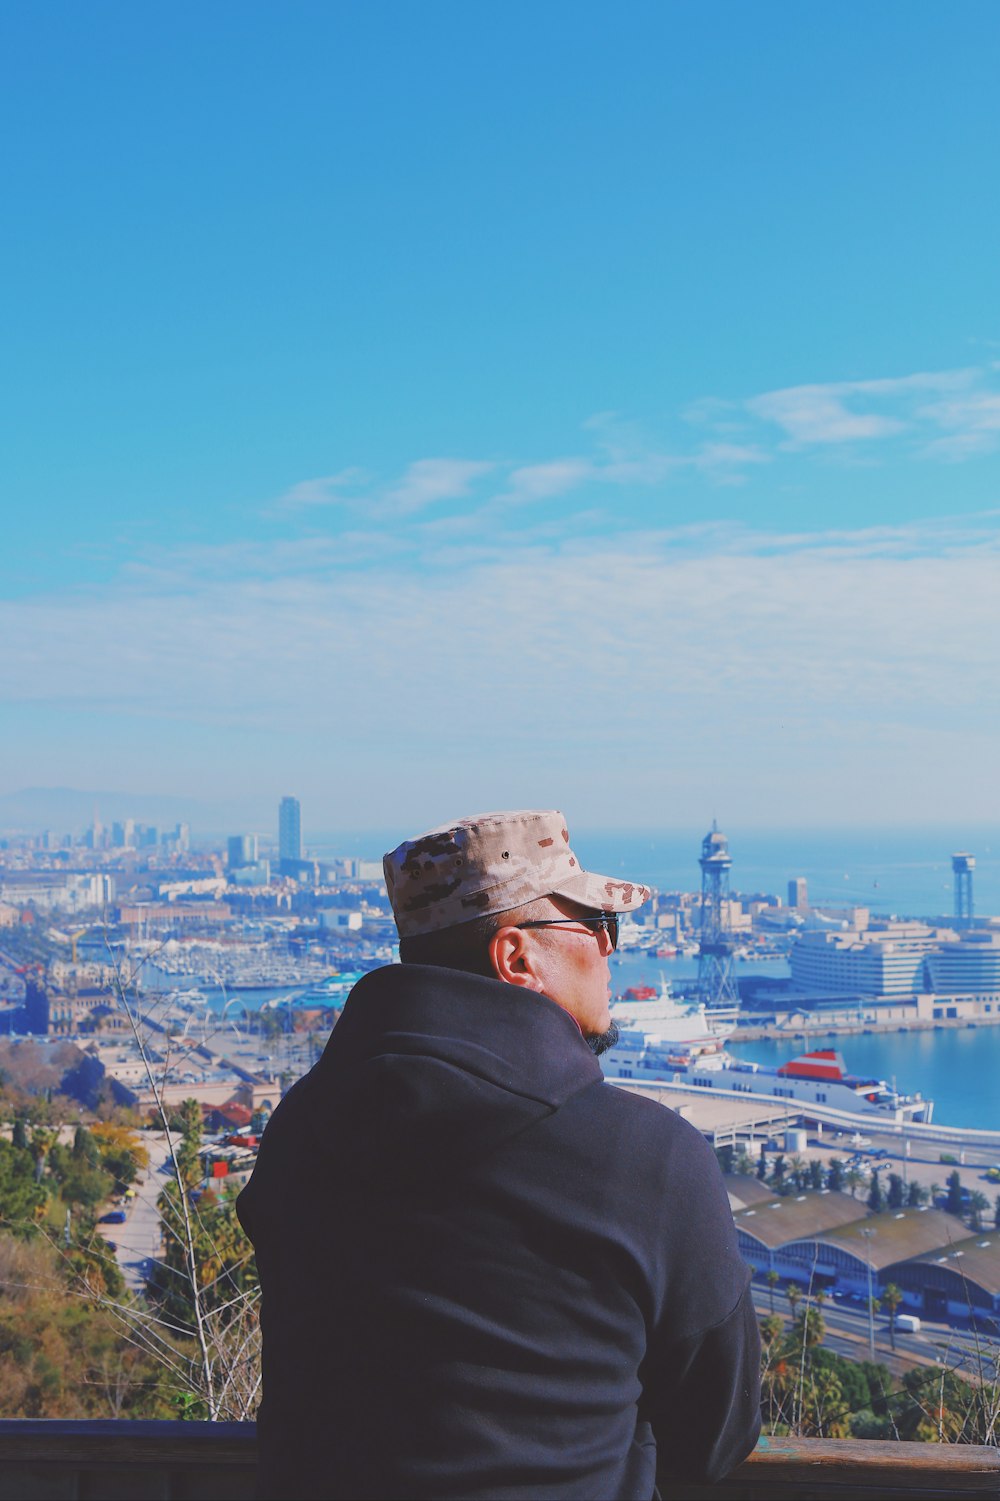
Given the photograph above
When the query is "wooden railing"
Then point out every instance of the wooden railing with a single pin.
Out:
(54, 1461)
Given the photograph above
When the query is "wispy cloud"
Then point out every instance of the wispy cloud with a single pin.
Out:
(819, 414)
(556, 477)
(559, 659)
(971, 425)
(864, 411)
(430, 480)
(326, 490)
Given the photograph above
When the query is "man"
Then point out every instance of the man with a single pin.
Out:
(485, 1271)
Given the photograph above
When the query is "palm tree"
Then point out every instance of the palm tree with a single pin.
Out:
(793, 1293)
(978, 1204)
(854, 1178)
(892, 1296)
(772, 1279)
(797, 1171)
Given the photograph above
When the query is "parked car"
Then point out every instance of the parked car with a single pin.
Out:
(114, 1217)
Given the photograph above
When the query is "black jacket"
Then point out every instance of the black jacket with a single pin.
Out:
(485, 1271)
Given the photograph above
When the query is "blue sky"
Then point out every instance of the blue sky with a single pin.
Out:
(430, 408)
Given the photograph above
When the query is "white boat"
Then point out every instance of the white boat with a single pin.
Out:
(818, 1078)
(672, 1027)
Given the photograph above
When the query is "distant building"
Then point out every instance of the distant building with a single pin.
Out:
(887, 959)
(241, 849)
(337, 917)
(963, 864)
(289, 829)
(798, 895)
(123, 834)
(970, 966)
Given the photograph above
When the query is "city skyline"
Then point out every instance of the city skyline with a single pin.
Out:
(373, 437)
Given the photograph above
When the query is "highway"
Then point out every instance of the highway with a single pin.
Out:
(847, 1335)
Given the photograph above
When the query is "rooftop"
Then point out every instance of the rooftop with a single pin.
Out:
(808, 1215)
(898, 1235)
(976, 1258)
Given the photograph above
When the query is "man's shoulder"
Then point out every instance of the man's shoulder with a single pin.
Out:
(644, 1120)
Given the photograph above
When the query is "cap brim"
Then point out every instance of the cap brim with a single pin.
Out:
(603, 893)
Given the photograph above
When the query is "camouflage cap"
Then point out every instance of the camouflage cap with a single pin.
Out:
(491, 863)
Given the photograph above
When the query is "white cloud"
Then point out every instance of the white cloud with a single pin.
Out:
(429, 480)
(327, 490)
(849, 412)
(539, 481)
(971, 423)
(624, 656)
(818, 414)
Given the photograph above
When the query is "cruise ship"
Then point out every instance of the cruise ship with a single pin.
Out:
(679, 1028)
(818, 1078)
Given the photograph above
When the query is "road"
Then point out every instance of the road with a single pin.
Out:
(138, 1238)
(847, 1335)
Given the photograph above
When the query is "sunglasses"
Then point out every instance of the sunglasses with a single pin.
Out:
(603, 922)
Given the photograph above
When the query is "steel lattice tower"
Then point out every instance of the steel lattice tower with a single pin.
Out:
(715, 951)
(963, 865)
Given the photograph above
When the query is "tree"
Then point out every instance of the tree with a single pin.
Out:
(953, 1203)
(892, 1296)
(809, 1327)
(793, 1293)
(996, 1212)
(80, 1177)
(916, 1195)
(978, 1205)
(876, 1198)
(771, 1329)
(815, 1173)
(772, 1279)
(762, 1166)
(726, 1158)
(120, 1151)
(835, 1177)
(854, 1178)
(797, 1170)
(778, 1173)
(21, 1195)
(896, 1191)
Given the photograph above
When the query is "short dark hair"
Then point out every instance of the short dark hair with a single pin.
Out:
(465, 945)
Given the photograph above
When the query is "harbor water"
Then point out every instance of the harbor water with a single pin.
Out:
(956, 1067)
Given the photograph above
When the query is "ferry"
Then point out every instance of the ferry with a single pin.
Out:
(818, 1078)
(679, 1028)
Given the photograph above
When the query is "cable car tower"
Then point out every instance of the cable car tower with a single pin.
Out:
(962, 865)
(715, 951)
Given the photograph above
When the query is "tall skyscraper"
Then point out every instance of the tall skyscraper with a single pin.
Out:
(289, 829)
(798, 894)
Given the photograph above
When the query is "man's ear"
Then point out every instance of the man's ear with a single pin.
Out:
(510, 955)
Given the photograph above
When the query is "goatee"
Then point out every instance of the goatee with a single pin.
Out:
(600, 1042)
